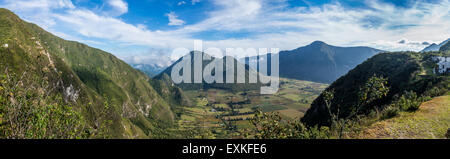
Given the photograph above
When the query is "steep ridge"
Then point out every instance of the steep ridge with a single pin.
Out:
(435, 47)
(235, 87)
(89, 79)
(320, 62)
(408, 74)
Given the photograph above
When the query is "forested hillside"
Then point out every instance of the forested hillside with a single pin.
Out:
(387, 82)
(234, 86)
(41, 72)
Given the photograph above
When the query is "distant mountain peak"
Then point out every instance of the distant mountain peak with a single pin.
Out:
(434, 46)
(318, 43)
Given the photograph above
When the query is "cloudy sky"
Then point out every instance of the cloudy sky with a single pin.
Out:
(146, 31)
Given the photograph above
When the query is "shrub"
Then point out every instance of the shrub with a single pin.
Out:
(390, 112)
(447, 135)
(272, 126)
(24, 113)
(410, 101)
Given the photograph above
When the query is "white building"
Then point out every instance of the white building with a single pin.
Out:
(443, 64)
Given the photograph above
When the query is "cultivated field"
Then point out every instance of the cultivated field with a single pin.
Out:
(226, 114)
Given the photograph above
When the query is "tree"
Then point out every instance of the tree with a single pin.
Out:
(272, 126)
(374, 89)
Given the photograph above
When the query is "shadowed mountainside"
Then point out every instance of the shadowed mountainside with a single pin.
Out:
(92, 81)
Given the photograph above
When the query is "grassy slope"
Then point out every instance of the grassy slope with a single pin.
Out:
(431, 121)
(402, 69)
(235, 87)
(95, 73)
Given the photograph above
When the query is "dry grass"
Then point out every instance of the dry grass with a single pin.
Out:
(431, 121)
(291, 113)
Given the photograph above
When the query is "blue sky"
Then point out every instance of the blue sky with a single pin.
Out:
(147, 31)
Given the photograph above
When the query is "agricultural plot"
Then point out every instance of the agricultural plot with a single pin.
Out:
(226, 113)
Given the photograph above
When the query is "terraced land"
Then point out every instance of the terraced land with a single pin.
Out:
(226, 114)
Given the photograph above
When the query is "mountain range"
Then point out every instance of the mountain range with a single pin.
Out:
(234, 86)
(148, 69)
(54, 88)
(317, 62)
(434, 46)
(320, 62)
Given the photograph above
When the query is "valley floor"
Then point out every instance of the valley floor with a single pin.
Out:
(431, 121)
(226, 114)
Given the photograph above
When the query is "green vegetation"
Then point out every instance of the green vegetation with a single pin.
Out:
(226, 114)
(27, 113)
(84, 78)
(52, 88)
(353, 109)
(233, 87)
(409, 101)
(403, 71)
(432, 121)
(272, 126)
(374, 89)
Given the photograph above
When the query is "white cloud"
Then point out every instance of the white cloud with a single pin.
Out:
(195, 1)
(92, 25)
(142, 26)
(234, 15)
(35, 10)
(38, 4)
(269, 24)
(152, 57)
(120, 6)
(332, 23)
(173, 19)
(181, 3)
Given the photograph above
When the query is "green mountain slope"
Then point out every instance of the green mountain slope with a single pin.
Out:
(408, 76)
(320, 62)
(445, 47)
(89, 79)
(434, 46)
(235, 87)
